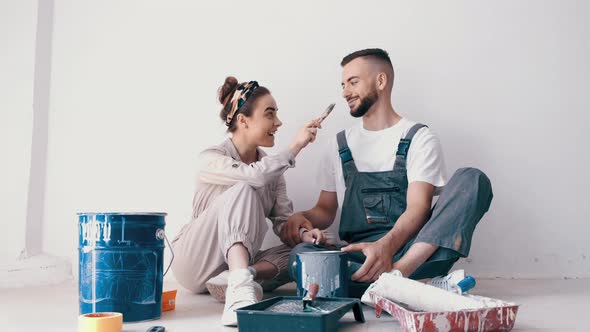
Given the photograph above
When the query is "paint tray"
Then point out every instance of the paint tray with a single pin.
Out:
(285, 314)
(500, 317)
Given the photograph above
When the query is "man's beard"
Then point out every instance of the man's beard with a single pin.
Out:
(365, 104)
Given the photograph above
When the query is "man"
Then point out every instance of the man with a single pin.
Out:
(383, 173)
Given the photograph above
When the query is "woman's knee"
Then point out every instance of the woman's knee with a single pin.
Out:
(242, 187)
(241, 193)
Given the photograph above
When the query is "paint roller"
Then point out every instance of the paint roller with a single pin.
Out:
(420, 296)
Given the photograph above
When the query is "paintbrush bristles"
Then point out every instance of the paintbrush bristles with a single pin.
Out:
(327, 112)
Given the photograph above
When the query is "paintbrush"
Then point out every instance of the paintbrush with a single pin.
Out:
(326, 112)
(312, 292)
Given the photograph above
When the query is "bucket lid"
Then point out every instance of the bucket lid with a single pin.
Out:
(124, 213)
(327, 252)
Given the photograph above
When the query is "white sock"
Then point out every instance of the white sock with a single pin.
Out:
(239, 276)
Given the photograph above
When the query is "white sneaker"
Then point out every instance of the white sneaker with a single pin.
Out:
(241, 291)
(449, 282)
(217, 286)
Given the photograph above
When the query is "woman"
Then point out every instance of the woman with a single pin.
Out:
(239, 186)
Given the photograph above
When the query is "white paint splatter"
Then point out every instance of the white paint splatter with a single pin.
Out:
(441, 322)
(420, 322)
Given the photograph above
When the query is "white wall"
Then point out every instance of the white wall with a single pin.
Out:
(17, 44)
(502, 83)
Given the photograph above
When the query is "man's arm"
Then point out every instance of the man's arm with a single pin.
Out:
(419, 201)
(380, 253)
(320, 216)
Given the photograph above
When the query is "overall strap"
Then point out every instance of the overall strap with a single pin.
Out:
(404, 146)
(344, 151)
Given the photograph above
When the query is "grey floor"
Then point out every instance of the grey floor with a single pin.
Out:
(546, 305)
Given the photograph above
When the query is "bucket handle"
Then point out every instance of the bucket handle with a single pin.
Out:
(161, 235)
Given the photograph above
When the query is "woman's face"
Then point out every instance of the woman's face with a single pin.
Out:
(262, 125)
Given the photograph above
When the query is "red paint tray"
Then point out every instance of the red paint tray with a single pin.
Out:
(499, 318)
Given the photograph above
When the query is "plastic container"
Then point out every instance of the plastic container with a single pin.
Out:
(169, 300)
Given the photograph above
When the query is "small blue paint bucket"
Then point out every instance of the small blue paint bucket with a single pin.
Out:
(326, 268)
(121, 264)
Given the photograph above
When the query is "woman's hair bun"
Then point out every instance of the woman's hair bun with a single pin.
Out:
(227, 89)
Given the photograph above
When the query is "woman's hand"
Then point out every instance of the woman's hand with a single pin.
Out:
(314, 236)
(305, 135)
(290, 231)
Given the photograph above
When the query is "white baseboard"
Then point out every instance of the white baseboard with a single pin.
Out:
(38, 270)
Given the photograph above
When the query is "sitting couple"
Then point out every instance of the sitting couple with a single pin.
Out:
(383, 173)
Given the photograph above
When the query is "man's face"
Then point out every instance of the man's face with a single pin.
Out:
(358, 87)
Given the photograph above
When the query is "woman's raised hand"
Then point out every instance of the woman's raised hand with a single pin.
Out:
(305, 135)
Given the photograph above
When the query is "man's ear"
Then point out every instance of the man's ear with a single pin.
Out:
(381, 81)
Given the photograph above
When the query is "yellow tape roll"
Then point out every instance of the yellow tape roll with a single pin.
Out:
(101, 322)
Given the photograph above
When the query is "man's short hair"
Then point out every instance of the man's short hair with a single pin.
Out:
(376, 53)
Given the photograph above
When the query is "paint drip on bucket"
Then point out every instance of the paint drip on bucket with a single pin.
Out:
(326, 268)
(121, 264)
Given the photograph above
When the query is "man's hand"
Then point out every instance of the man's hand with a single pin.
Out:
(379, 260)
(290, 232)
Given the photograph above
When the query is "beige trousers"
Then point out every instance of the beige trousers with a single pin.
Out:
(236, 215)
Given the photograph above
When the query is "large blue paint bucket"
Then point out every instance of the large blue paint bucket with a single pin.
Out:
(121, 264)
(329, 269)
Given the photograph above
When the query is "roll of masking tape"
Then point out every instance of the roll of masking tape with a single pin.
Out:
(101, 322)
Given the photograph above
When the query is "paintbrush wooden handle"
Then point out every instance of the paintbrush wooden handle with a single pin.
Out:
(313, 291)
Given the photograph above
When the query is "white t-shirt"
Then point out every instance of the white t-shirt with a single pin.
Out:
(374, 151)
